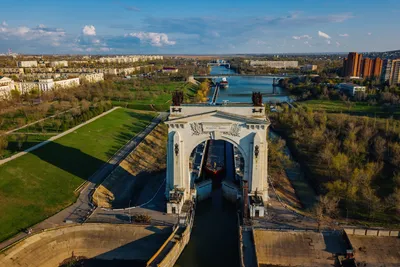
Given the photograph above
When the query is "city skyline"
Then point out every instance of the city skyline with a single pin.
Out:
(219, 27)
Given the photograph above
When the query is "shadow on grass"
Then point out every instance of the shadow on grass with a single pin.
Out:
(71, 160)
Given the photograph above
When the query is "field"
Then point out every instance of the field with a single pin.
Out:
(37, 185)
(157, 96)
(355, 108)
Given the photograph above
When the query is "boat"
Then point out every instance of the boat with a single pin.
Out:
(215, 164)
(224, 83)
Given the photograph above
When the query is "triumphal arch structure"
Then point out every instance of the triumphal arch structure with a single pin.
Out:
(245, 125)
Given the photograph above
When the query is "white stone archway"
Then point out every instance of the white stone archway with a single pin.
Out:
(243, 125)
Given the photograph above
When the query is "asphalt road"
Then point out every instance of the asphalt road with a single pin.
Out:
(83, 208)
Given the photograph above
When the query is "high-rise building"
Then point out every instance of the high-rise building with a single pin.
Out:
(394, 78)
(352, 65)
(367, 68)
(376, 71)
(345, 60)
(386, 69)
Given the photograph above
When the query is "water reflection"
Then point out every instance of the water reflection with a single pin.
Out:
(214, 239)
(241, 87)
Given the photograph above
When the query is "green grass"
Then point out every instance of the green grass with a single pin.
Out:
(357, 108)
(29, 141)
(157, 96)
(37, 185)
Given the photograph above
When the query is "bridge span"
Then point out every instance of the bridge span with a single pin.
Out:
(214, 76)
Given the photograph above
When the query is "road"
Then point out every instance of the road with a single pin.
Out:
(82, 208)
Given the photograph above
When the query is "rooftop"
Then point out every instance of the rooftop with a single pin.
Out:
(281, 248)
(376, 250)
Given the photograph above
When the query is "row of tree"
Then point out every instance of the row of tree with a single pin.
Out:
(352, 159)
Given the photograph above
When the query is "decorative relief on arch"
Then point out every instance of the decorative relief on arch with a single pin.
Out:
(197, 128)
(234, 131)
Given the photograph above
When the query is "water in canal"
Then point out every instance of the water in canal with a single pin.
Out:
(241, 87)
(214, 238)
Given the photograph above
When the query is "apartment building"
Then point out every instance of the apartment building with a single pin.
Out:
(59, 64)
(274, 64)
(6, 86)
(27, 64)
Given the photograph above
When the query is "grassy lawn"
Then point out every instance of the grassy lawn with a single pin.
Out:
(37, 185)
(157, 96)
(357, 108)
(15, 146)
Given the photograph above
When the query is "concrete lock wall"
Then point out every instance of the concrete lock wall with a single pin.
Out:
(100, 241)
(372, 232)
(230, 191)
(204, 190)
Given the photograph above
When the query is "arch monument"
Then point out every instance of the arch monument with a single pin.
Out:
(244, 125)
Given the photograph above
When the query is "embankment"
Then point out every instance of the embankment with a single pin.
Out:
(92, 241)
(141, 171)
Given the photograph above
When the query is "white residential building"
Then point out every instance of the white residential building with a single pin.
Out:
(58, 64)
(92, 77)
(351, 88)
(26, 87)
(274, 64)
(27, 64)
(129, 59)
(12, 70)
(6, 86)
(67, 83)
(46, 85)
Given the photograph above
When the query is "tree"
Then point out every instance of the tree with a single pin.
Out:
(340, 163)
(3, 144)
(379, 148)
(326, 207)
(394, 153)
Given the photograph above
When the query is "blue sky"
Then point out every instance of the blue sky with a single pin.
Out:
(198, 27)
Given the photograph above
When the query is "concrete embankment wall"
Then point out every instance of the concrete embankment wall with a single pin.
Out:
(170, 251)
(372, 232)
(100, 241)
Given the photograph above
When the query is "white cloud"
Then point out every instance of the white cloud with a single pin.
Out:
(89, 30)
(302, 37)
(344, 35)
(337, 44)
(328, 42)
(323, 35)
(154, 38)
(370, 33)
(4, 24)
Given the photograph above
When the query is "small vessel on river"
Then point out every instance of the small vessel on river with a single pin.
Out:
(215, 164)
(224, 83)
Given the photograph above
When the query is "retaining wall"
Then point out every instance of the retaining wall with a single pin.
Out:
(372, 232)
(99, 241)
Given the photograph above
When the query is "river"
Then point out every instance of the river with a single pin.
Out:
(241, 87)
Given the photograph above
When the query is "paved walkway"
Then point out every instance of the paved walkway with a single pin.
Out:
(54, 137)
(82, 208)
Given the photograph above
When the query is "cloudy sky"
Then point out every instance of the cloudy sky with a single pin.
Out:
(198, 27)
